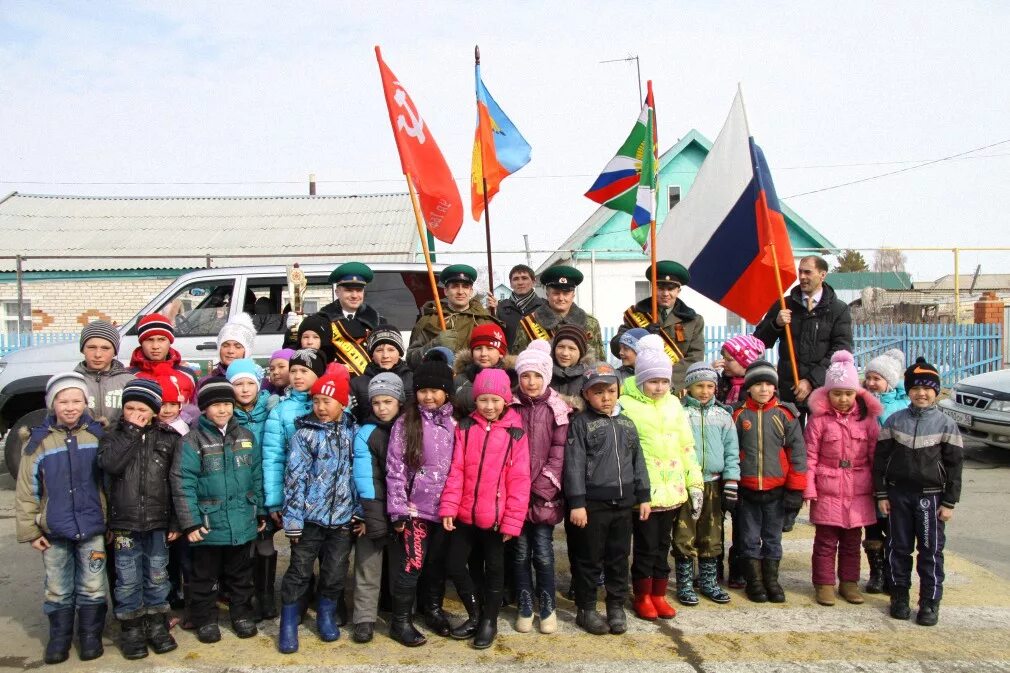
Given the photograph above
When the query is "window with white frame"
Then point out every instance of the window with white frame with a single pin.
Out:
(10, 316)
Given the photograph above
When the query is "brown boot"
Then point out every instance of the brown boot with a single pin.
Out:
(825, 593)
(850, 592)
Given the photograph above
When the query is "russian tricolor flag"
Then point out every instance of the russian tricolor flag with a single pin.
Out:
(724, 228)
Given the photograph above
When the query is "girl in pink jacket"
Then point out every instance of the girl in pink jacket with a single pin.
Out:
(485, 500)
(841, 437)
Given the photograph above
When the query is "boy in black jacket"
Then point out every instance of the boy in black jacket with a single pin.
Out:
(605, 480)
(136, 456)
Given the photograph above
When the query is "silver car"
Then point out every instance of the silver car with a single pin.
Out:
(981, 407)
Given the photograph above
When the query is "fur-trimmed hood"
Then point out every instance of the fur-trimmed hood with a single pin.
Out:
(869, 405)
(464, 364)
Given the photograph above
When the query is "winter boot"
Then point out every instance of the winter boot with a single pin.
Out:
(468, 628)
(591, 621)
(824, 594)
(617, 620)
(549, 624)
(755, 586)
(401, 627)
(663, 609)
(487, 631)
(708, 574)
(363, 632)
(643, 599)
(132, 639)
(737, 571)
(208, 633)
(326, 620)
(900, 609)
(929, 612)
(434, 616)
(287, 640)
(685, 583)
(160, 640)
(90, 625)
(266, 576)
(850, 592)
(875, 559)
(61, 635)
(770, 574)
(244, 627)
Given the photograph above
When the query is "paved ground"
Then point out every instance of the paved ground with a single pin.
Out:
(738, 638)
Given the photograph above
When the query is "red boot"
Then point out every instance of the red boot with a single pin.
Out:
(663, 609)
(643, 601)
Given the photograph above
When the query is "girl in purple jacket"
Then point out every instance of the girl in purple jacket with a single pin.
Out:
(841, 438)
(418, 459)
(545, 418)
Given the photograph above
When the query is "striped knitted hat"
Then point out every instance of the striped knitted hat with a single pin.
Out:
(145, 391)
(760, 371)
(744, 348)
(215, 389)
(155, 324)
(700, 371)
(386, 334)
(100, 329)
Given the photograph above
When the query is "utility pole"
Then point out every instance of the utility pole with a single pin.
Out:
(312, 184)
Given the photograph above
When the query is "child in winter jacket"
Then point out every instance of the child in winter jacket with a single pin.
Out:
(572, 359)
(485, 500)
(487, 349)
(217, 489)
(605, 480)
(315, 331)
(60, 509)
(278, 378)
(234, 342)
(718, 452)
(321, 510)
(418, 459)
(385, 347)
(738, 353)
(155, 358)
(917, 482)
(370, 449)
(136, 457)
(841, 437)
(105, 375)
(674, 476)
(545, 419)
(773, 466)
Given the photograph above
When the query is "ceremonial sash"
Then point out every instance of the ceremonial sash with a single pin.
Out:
(349, 351)
(535, 330)
(633, 318)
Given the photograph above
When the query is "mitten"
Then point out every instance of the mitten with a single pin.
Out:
(792, 501)
(293, 320)
(697, 498)
(729, 496)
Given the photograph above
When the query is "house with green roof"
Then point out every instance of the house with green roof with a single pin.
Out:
(605, 251)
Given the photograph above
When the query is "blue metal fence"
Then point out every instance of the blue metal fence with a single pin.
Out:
(13, 342)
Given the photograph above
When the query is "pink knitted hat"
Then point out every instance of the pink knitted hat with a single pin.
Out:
(536, 358)
(842, 374)
(493, 381)
(745, 349)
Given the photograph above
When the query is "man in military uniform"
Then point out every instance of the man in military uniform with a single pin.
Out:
(353, 319)
(524, 300)
(682, 329)
(560, 309)
(461, 310)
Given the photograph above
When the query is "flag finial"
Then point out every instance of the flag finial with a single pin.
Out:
(476, 54)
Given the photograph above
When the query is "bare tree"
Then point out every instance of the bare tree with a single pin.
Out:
(889, 260)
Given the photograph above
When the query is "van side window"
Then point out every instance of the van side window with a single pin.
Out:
(199, 309)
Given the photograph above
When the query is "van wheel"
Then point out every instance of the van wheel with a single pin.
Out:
(13, 444)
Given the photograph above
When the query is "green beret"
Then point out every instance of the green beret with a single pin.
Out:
(352, 273)
(458, 273)
(668, 271)
(565, 277)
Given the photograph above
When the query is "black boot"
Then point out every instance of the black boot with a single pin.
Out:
(61, 636)
(160, 639)
(435, 617)
(468, 628)
(487, 630)
(900, 609)
(90, 625)
(929, 612)
(592, 621)
(401, 628)
(770, 574)
(875, 559)
(755, 586)
(132, 638)
(617, 618)
(265, 577)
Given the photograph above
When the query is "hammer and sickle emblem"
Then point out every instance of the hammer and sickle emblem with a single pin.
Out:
(415, 129)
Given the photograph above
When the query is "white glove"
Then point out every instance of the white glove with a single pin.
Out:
(696, 501)
(293, 320)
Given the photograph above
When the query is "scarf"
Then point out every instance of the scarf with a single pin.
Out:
(736, 385)
(523, 300)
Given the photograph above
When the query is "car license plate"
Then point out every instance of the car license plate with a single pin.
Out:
(959, 418)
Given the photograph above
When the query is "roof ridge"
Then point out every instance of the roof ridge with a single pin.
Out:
(250, 197)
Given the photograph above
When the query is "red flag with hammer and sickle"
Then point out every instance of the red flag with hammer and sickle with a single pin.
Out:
(441, 205)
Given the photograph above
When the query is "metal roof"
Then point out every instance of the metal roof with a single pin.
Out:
(377, 227)
(857, 280)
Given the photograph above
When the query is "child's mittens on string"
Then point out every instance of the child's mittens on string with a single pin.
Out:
(697, 498)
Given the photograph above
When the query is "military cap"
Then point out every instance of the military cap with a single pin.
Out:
(669, 272)
(564, 277)
(458, 273)
(352, 273)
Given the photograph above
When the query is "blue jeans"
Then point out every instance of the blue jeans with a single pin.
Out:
(760, 515)
(534, 547)
(142, 584)
(75, 573)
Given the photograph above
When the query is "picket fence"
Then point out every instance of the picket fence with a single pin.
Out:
(13, 342)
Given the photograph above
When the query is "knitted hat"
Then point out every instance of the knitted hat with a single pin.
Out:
(387, 334)
(889, 366)
(700, 371)
(144, 391)
(439, 354)
(155, 324)
(572, 333)
(536, 358)
(434, 374)
(744, 348)
(336, 387)
(493, 381)
(652, 364)
(215, 389)
(601, 372)
(245, 368)
(318, 323)
(630, 338)
(309, 358)
(841, 374)
(488, 334)
(760, 371)
(240, 329)
(282, 354)
(176, 388)
(386, 383)
(650, 342)
(100, 329)
(922, 374)
(60, 382)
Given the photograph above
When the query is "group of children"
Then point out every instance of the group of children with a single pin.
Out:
(432, 474)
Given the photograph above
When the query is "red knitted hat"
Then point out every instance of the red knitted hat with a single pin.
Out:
(337, 387)
(155, 324)
(488, 334)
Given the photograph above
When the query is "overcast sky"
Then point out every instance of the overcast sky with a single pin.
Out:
(269, 92)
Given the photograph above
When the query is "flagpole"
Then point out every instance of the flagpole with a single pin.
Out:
(424, 248)
(483, 179)
(652, 222)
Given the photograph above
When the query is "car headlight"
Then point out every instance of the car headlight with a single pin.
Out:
(999, 405)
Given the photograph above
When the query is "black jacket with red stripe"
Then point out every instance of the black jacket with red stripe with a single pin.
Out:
(772, 450)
